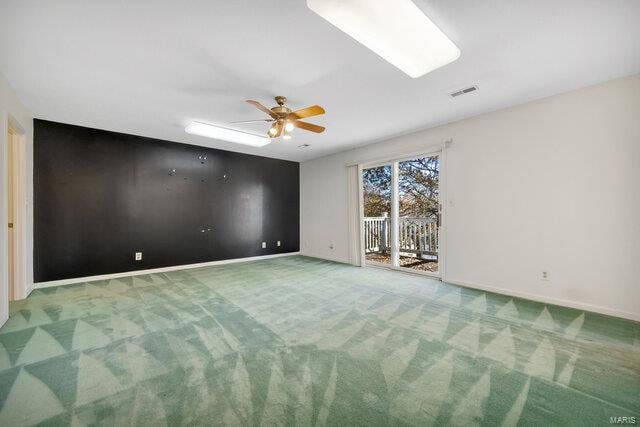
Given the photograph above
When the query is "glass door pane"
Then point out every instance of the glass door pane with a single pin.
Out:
(376, 189)
(418, 209)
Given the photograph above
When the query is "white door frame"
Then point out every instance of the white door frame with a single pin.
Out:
(441, 153)
(16, 135)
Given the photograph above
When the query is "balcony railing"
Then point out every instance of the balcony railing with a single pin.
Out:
(415, 235)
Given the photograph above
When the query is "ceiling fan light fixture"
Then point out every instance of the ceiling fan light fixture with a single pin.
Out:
(272, 131)
(397, 30)
(286, 134)
(288, 127)
(226, 134)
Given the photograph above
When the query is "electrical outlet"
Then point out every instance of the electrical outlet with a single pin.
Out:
(278, 243)
(138, 256)
(544, 276)
(264, 245)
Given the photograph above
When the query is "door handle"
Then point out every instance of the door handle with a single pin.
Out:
(10, 225)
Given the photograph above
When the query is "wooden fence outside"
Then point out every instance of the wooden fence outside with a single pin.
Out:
(416, 235)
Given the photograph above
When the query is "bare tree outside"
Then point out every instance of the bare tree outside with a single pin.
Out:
(376, 186)
(418, 182)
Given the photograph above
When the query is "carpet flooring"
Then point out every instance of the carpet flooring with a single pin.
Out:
(300, 341)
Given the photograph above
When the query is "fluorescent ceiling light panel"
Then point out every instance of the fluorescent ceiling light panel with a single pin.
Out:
(397, 30)
(226, 134)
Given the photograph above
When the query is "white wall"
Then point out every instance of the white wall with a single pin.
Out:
(11, 109)
(548, 185)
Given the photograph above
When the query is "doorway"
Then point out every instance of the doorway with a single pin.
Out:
(16, 211)
(12, 150)
(402, 214)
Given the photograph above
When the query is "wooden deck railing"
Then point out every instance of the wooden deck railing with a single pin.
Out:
(416, 235)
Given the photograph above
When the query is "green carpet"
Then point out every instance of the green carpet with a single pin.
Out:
(300, 341)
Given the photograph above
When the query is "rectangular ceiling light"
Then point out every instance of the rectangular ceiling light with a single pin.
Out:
(397, 30)
(226, 134)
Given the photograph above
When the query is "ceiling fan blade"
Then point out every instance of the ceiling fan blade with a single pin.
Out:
(314, 110)
(262, 108)
(307, 126)
(253, 121)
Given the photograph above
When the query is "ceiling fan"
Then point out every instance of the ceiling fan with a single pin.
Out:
(284, 120)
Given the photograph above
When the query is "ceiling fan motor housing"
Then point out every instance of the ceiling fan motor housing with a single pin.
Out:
(281, 110)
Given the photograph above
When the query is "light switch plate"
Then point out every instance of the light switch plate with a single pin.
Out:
(138, 256)
(264, 245)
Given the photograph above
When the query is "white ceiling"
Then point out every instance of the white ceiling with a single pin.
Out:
(149, 67)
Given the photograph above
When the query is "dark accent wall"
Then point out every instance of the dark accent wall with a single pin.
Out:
(101, 196)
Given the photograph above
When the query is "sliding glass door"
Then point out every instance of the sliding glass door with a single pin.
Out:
(401, 207)
(418, 197)
(376, 192)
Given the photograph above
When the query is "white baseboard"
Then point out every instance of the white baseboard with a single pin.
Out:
(467, 284)
(312, 255)
(41, 285)
(547, 300)
(4, 318)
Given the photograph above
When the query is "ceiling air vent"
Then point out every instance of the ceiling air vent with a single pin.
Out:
(464, 91)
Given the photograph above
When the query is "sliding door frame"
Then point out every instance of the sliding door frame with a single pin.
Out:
(395, 255)
(393, 232)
